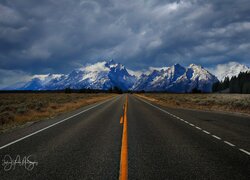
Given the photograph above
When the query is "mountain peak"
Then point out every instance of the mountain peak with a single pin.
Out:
(195, 66)
(114, 65)
(229, 69)
(111, 62)
(177, 67)
(177, 64)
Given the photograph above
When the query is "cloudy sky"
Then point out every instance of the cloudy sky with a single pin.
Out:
(56, 36)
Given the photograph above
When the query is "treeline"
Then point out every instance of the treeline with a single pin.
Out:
(237, 84)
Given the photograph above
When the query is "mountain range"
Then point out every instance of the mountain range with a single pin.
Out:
(109, 74)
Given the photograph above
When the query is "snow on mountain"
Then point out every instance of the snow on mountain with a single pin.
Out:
(198, 77)
(229, 70)
(107, 74)
(102, 75)
(39, 81)
(137, 74)
(158, 79)
(177, 79)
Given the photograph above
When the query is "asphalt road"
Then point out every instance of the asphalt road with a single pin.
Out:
(163, 143)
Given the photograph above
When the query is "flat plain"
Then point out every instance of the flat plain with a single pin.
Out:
(236, 103)
(18, 108)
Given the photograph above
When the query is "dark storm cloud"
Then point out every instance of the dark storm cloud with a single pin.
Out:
(56, 36)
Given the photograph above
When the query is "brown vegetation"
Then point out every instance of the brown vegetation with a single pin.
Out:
(239, 103)
(18, 108)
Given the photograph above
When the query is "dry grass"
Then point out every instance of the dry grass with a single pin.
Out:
(19, 108)
(239, 103)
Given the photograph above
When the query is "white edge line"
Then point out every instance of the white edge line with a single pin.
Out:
(206, 132)
(216, 137)
(36, 132)
(242, 150)
(230, 144)
(161, 109)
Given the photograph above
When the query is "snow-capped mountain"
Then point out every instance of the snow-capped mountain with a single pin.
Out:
(102, 75)
(229, 70)
(177, 79)
(159, 78)
(107, 74)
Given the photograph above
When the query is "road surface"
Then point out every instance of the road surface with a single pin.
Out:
(162, 143)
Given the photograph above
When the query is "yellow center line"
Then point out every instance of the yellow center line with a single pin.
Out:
(124, 148)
